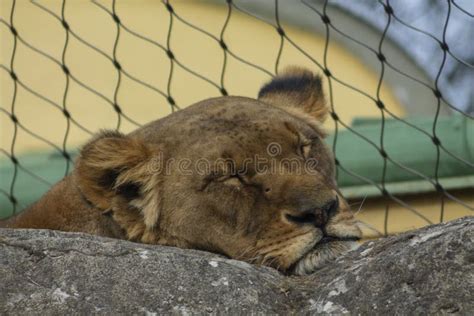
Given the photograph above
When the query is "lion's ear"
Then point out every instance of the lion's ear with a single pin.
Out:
(296, 88)
(114, 169)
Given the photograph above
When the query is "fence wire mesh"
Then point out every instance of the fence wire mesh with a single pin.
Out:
(221, 82)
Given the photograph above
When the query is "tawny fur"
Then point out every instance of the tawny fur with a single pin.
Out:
(116, 189)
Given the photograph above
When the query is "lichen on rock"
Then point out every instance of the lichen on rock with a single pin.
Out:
(47, 272)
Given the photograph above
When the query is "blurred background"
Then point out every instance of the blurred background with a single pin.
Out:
(398, 76)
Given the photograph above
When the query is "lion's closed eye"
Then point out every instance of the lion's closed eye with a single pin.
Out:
(306, 143)
(234, 181)
(222, 181)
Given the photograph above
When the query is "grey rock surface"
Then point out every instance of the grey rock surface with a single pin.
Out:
(45, 272)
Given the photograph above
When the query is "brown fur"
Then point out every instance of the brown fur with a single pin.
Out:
(127, 186)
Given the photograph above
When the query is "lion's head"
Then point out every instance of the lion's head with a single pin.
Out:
(250, 179)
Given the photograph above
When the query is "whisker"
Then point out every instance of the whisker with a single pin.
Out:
(265, 260)
(372, 228)
(354, 203)
(254, 260)
(276, 245)
(246, 251)
(274, 263)
(360, 206)
(270, 261)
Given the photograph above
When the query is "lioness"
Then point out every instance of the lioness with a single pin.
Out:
(228, 175)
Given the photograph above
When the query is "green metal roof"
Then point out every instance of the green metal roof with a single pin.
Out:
(412, 164)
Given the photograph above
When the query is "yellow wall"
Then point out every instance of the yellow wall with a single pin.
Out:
(401, 219)
(247, 37)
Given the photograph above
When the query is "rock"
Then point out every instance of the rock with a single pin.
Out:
(47, 272)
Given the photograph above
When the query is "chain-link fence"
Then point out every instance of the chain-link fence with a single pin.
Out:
(140, 60)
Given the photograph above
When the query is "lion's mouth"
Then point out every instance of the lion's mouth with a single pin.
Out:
(326, 242)
(326, 249)
(328, 239)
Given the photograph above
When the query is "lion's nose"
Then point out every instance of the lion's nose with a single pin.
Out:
(331, 207)
(318, 216)
(324, 214)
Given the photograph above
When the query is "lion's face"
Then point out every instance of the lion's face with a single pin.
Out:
(251, 179)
